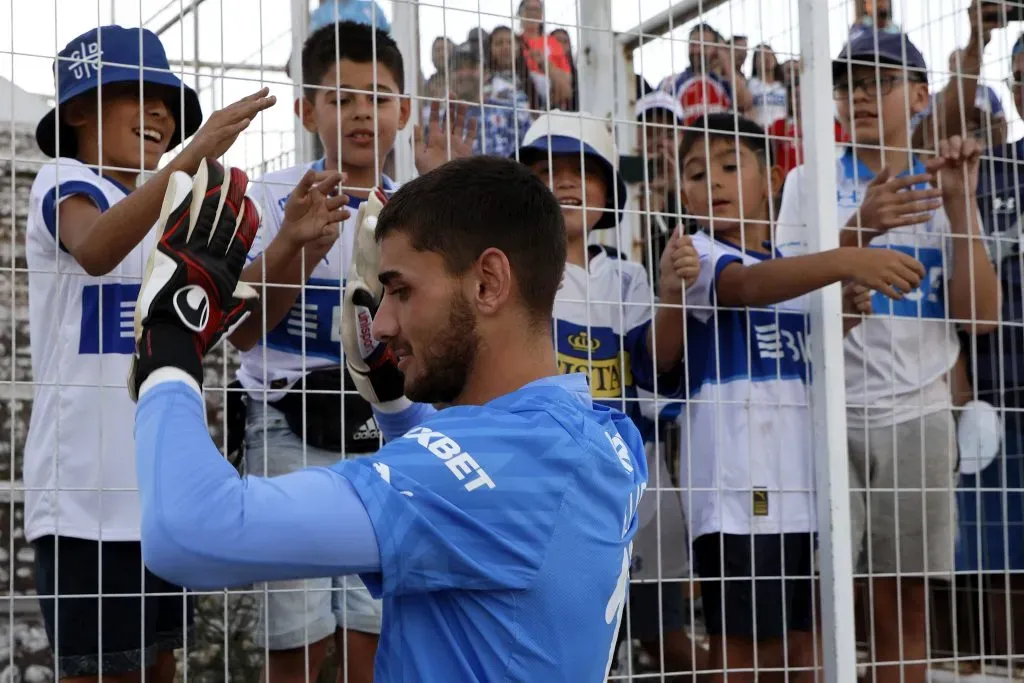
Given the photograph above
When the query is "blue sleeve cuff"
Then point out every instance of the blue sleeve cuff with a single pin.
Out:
(62, 191)
(995, 104)
(720, 265)
(645, 371)
(393, 425)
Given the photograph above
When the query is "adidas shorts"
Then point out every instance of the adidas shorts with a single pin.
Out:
(297, 613)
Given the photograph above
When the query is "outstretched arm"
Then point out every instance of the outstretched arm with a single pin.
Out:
(205, 527)
(781, 279)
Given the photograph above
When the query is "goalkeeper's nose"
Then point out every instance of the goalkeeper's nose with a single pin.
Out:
(385, 325)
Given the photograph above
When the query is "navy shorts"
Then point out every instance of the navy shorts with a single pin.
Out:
(133, 628)
(650, 612)
(757, 587)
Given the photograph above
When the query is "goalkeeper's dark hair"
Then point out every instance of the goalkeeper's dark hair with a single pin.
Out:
(469, 205)
(360, 43)
(724, 126)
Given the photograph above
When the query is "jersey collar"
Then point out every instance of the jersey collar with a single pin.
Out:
(855, 170)
(575, 383)
(116, 183)
(760, 256)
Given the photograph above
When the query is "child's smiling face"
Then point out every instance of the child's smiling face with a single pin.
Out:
(128, 133)
(580, 189)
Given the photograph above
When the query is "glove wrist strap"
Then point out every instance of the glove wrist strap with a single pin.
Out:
(166, 345)
(364, 385)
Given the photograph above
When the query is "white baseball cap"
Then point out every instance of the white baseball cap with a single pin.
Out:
(660, 100)
(579, 133)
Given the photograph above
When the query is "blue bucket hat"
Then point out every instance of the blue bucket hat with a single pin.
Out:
(113, 54)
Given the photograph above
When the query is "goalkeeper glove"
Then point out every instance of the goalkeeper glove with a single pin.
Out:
(371, 364)
(190, 297)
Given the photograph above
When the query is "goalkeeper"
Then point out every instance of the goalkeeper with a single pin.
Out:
(468, 524)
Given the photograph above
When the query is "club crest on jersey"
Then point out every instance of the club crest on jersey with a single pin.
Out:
(193, 307)
(759, 502)
(594, 351)
(584, 342)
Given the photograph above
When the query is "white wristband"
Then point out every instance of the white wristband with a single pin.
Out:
(169, 374)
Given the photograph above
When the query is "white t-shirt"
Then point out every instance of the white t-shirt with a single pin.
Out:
(897, 359)
(769, 101)
(80, 451)
(309, 337)
(746, 462)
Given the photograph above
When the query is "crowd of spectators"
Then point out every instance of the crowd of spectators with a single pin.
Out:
(725, 75)
(924, 371)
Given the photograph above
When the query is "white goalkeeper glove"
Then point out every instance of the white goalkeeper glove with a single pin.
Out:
(373, 365)
(191, 297)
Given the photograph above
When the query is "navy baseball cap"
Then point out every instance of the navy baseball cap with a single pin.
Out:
(114, 54)
(868, 48)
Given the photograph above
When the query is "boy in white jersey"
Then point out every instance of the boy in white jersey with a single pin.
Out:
(747, 459)
(603, 323)
(87, 238)
(352, 99)
(902, 453)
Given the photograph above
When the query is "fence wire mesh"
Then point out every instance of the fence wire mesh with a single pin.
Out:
(832, 432)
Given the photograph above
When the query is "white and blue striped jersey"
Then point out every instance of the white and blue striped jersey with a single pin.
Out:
(80, 451)
(897, 359)
(770, 101)
(746, 463)
(601, 316)
(309, 337)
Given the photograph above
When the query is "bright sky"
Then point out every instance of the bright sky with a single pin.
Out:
(258, 32)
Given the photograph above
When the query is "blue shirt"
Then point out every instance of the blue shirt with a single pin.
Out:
(501, 532)
(1000, 372)
(503, 119)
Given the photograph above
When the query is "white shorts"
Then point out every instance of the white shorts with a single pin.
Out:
(297, 613)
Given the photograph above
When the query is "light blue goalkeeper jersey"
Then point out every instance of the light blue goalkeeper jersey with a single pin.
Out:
(498, 535)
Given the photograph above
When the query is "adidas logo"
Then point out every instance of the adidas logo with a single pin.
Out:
(368, 430)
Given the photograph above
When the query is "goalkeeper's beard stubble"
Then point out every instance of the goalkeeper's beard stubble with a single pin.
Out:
(442, 366)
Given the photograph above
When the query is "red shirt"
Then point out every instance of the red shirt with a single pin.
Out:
(556, 55)
(699, 94)
(787, 145)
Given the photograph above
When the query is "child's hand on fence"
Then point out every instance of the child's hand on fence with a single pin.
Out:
(222, 129)
(679, 268)
(856, 303)
(957, 167)
(888, 271)
(685, 260)
(434, 150)
(892, 203)
(313, 211)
